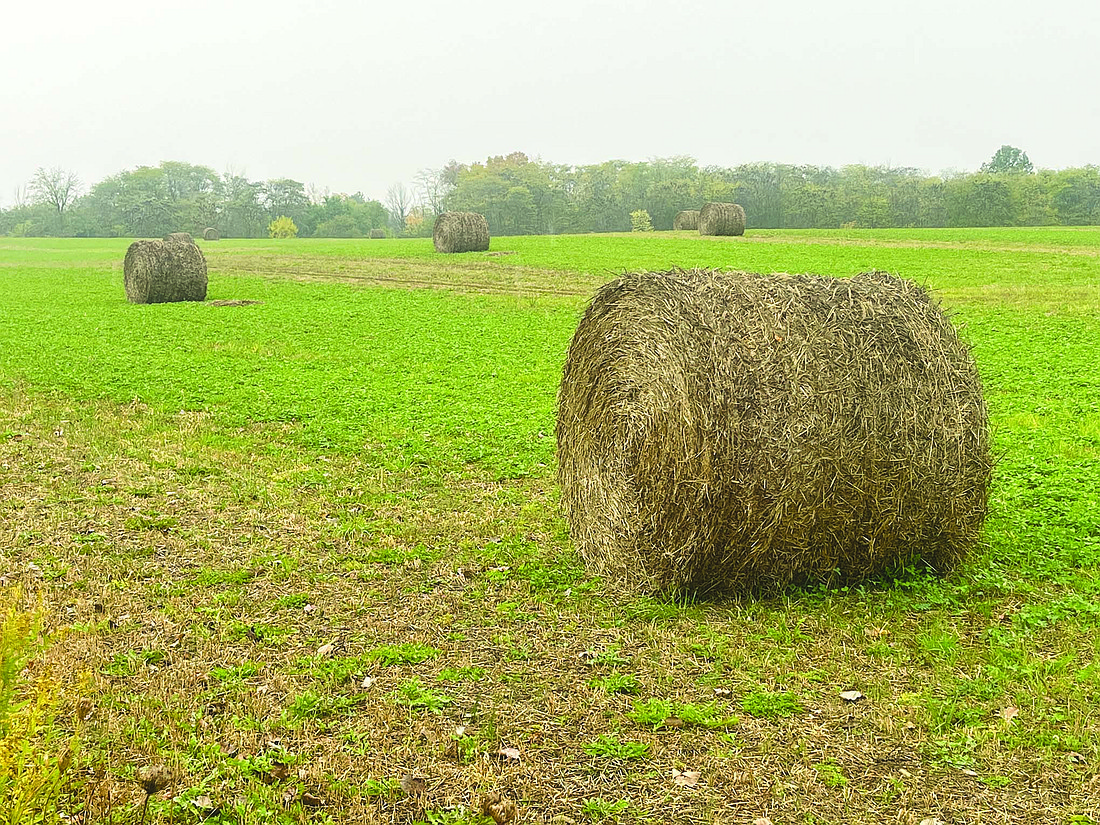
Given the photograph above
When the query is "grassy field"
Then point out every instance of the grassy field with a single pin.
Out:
(306, 554)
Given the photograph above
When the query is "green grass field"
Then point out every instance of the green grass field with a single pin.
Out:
(300, 550)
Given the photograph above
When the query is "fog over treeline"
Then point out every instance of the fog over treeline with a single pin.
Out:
(520, 196)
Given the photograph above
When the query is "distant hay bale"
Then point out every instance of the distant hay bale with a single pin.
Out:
(741, 432)
(156, 272)
(377, 233)
(461, 232)
(179, 237)
(211, 234)
(688, 219)
(721, 219)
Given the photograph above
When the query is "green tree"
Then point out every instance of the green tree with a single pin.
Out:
(665, 198)
(242, 214)
(979, 200)
(1076, 196)
(1008, 160)
(338, 226)
(143, 202)
(347, 216)
(283, 196)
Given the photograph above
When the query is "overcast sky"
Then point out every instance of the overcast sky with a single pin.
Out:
(357, 95)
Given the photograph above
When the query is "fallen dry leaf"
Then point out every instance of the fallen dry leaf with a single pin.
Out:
(280, 771)
(205, 805)
(931, 821)
(366, 683)
(500, 808)
(153, 779)
(1010, 713)
(722, 693)
(326, 649)
(761, 820)
(414, 785)
(508, 754)
(851, 695)
(685, 779)
(673, 722)
(312, 800)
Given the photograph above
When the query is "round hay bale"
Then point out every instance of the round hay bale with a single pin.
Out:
(211, 234)
(461, 232)
(157, 272)
(688, 219)
(377, 233)
(179, 237)
(721, 219)
(741, 432)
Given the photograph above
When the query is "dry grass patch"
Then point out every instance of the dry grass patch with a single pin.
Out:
(293, 633)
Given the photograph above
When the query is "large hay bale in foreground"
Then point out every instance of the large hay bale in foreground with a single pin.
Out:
(721, 219)
(211, 234)
(156, 272)
(688, 219)
(741, 432)
(179, 237)
(461, 232)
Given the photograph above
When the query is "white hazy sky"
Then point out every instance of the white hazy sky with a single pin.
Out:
(357, 95)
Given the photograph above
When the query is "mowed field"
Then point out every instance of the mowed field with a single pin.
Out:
(306, 554)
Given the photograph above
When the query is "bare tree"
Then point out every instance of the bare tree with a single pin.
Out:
(317, 194)
(433, 188)
(399, 202)
(57, 188)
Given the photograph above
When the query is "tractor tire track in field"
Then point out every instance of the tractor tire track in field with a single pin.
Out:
(416, 274)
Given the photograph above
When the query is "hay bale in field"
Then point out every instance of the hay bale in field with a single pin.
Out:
(377, 233)
(157, 272)
(721, 219)
(179, 237)
(461, 232)
(741, 432)
(211, 234)
(688, 219)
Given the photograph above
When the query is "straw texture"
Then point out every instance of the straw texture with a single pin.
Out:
(741, 432)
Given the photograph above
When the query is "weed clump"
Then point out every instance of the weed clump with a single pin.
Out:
(35, 753)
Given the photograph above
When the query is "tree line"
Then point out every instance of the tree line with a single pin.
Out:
(520, 196)
(152, 201)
